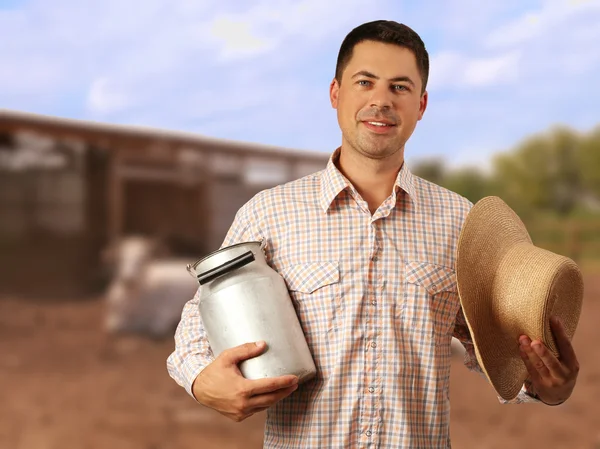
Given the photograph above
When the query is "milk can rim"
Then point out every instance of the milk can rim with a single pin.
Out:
(192, 266)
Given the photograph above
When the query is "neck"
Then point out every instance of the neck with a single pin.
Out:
(372, 178)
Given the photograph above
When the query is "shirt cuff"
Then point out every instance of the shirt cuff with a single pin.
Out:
(192, 370)
(526, 395)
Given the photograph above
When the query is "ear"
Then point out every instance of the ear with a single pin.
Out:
(423, 104)
(334, 90)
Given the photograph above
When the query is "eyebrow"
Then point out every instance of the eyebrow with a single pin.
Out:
(395, 80)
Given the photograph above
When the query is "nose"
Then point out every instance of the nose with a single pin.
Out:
(381, 97)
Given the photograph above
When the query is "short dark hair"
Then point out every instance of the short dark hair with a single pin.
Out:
(388, 32)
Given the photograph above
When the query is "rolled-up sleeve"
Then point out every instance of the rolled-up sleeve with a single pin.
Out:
(192, 351)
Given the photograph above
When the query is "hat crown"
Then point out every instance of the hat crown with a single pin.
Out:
(524, 292)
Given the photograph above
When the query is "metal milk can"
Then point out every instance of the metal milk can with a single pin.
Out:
(242, 300)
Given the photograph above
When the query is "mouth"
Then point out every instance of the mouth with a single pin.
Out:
(379, 127)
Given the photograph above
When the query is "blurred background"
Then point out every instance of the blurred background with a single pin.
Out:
(131, 132)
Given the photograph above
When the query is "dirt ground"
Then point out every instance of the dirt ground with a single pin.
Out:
(60, 388)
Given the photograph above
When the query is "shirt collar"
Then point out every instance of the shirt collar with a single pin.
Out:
(333, 182)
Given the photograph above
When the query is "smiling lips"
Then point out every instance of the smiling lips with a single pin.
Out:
(379, 127)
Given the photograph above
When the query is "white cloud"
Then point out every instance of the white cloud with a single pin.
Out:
(268, 25)
(124, 61)
(557, 40)
(555, 16)
(454, 70)
(260, 70)
(529, 26)
(33, 75)
(237, 39)
(492, 71)
(220, 63)
(106, 98)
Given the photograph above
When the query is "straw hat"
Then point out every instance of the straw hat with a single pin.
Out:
(509, 287)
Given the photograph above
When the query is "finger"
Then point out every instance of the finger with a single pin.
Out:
(565, 348)
(268, 399)
(533, 372)
(553, 365)
(534, 359)
(263, 386)
(243, 352)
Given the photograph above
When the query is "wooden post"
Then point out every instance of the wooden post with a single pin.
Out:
(115, 198)
(573, 240)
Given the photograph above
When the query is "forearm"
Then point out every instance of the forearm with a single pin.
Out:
(192, 351)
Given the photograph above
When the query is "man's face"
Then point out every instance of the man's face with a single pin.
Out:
(379, 100)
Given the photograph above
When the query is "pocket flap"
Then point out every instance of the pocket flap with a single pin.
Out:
(308, 277)
(434, 278)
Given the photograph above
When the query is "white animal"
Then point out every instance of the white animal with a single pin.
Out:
(148, 291)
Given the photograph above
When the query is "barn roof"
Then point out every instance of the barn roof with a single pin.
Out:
(113, 136)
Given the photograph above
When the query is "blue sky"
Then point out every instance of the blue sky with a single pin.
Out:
(260, 71)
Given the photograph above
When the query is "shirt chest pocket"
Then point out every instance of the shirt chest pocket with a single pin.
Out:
(315, 290)
(430, 300)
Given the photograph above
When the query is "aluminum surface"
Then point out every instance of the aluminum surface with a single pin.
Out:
(249, 304)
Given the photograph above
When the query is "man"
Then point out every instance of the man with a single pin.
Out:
(367, 251)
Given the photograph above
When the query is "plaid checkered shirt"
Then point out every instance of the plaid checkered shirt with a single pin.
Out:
(376, 296)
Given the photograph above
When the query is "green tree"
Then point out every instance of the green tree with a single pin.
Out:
(543, 173)
(433, 170)
(589, 161)
(470, 183)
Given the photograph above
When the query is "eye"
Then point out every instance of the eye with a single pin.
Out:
(400, 87)
(364, 82)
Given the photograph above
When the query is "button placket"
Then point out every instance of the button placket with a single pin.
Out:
(371, 375)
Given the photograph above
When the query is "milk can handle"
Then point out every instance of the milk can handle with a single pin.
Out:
(233, 264)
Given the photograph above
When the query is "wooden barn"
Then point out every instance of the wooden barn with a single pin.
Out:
(68, 188)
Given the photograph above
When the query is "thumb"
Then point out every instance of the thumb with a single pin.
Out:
(243, 352)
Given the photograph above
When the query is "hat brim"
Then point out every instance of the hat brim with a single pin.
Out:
(485, 255)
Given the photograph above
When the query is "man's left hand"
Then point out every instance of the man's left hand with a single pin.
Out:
(552, 378)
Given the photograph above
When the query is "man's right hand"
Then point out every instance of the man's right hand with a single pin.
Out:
(222, 387)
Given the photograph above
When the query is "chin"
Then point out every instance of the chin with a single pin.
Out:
(380, 151)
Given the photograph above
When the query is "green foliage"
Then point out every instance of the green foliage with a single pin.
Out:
(551, 180)
(470, 183)
(554, 174)
(589, 161)
(433, 170)
(542, 173)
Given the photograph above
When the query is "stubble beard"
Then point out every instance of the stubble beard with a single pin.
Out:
(375, 147)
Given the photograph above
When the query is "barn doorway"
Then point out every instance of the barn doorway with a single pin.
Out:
(174, 212)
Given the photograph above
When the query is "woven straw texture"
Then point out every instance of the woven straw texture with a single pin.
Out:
(509, 287)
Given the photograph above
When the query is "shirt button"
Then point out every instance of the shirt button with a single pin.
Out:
(373, 344)
(368, 433)
(371, 389)
(374, 302)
